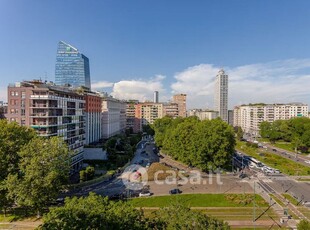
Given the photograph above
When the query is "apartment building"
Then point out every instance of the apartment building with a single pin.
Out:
(52, 111)
(113, 116)
(180, 100)
(249, 117)
(171, 109)
(93, 127)
(148, 112)
(221, 94)
(3, 109)
(203, 114)
(131, 120)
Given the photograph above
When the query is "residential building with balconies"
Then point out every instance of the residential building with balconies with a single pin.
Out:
(249, 117)
(52, 111)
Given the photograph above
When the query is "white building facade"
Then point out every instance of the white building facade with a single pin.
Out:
(203, 114)
(221, 95)
(113, 117)
(249, 117)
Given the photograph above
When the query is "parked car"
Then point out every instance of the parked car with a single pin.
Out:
(145, 193)
(242, 175)
(175, 191)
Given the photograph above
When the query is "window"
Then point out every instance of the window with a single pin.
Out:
(23, 95)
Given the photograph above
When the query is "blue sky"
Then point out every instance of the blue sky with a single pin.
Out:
(138, 46)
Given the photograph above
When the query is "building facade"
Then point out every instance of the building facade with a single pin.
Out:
(171, 110)
(203, 114)
(156, 97)
(93, 128)
(231, 117)
(52, 111)
(221, 95)
(113, 116)
(249, 117)
(147, 112)
(72, 67)
(180, 99)
(132, 122)
(3, 109)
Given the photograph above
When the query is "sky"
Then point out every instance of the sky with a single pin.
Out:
(141, 46)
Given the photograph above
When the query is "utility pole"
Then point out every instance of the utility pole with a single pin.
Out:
(254, 208)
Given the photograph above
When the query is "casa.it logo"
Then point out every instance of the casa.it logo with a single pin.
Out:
(134, 177)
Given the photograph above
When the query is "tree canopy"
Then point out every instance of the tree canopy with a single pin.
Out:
(12, 139)
(43, 170)
(295, 130)
(96, 212)
(207, 144)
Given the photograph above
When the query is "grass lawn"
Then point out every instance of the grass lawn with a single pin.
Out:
(7, 218)
(277, 200)
(305, 211)
(291, 199)
(286, 166)
(156, 167)
(200, 200)
(285, 145)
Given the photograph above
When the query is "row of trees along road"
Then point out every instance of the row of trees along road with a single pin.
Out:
(96, 212)
(295, 130)
(207, 144)
(33, 169)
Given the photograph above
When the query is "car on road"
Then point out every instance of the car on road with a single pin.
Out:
(274, 150)
(175, 191)
(144, 193)
(308, 162)
(242, 175)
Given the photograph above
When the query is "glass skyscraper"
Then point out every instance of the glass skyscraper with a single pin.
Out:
(72, 67)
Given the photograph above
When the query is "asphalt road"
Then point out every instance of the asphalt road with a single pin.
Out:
(144, 155)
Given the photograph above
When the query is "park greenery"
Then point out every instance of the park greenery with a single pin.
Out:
(96, 212)
(201, 200)
(207, 144)
(295, 131)
(87, 174)
(303, 225)
(33, 169)
(285, 165)
(120, 148)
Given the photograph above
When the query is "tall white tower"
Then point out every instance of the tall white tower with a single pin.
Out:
(221, 94)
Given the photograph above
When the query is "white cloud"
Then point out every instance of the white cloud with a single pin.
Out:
(141, 89)
(3, 94)
(101, 85)
(278, 81)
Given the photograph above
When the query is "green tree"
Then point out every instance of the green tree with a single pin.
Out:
(239, 133)
(12, 138)
(43, 170)
(264, 129)
(93, 212)
(205, 144)
(303, 225)
(148, 129)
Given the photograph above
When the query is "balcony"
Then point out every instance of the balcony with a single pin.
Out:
(43, 124)
(46, 114)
